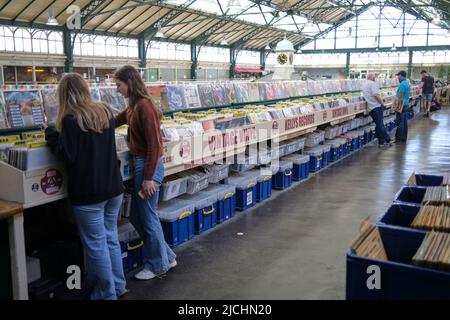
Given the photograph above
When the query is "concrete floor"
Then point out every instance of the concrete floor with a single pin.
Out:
(294, 245)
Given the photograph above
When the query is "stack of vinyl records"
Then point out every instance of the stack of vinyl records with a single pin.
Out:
(31, 156)
(369, 244)
(434, 251)
(437, 196)
(433, 218)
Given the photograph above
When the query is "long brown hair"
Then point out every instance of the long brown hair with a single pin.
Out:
(136, 87)
(75, 99)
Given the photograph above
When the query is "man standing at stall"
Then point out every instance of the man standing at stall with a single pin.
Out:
(402, 104)
(427, 85)
(371, 93)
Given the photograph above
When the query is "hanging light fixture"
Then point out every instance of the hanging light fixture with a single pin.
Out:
(224, 42)
(51, 18)
(234, 4)
(159, 33)
(393, 47)
(89, 39)
(268, 47)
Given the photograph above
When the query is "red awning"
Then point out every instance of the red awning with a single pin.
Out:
(247, 70)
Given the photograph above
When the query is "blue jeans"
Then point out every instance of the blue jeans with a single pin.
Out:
(97, 224)
(380, 129)
(157, 254)
(402, 130)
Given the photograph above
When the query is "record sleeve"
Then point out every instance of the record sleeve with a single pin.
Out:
(51, 104)
(262, 91)
(220, 98)
(230, 94)
(115, 101)
(176, 98)
(192, 97)
(3, 122)
(205, 91)
(24, 108)
(159, 94)
(253, 92)
(241, 92)
(270, 91)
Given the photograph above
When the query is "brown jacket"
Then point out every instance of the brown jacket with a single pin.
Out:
(145, 134)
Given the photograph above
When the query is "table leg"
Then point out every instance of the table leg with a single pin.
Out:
(18, 259)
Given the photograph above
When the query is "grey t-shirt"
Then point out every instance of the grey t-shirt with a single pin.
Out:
(369, 90)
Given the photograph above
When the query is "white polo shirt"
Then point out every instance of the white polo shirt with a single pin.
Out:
(371, 88)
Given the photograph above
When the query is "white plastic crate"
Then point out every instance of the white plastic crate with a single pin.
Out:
(314, 152)
(314, 138)
(196, 180)
(264, 156)
(172, 187)
(297, 158)
(243, 164)
(217, 172)
(175, 209)
(331, 132)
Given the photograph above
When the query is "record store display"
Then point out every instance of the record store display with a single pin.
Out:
(115, 101)
(241, 92)
(220, 98)
(24, 108)
(205, 91)
(51, 104)
(192, 96)
(159, 94)
(176, 98)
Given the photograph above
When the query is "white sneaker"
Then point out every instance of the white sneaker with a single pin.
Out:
(173, 264)
(144, 275)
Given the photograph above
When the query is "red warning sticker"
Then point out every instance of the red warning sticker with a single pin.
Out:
(52, 182)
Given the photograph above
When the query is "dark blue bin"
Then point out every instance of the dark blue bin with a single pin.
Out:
(399, 278)
(177, 220)
(315, 158)
(300, 168)
(225, 200)
(410, 194)
(326, 158)
(205, 218)
(428, 180)
(245, 190)
(400, 216)
(283, 178)
(264, 188)
(131, 254)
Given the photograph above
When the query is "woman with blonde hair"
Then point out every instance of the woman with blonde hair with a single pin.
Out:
(84, 139)
(143, 118)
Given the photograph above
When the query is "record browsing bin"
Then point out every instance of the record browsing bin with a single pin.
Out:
(177, 220)
(226, 200)
(283, 178)
(245, 190)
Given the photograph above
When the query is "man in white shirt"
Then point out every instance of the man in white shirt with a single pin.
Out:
(371, 93)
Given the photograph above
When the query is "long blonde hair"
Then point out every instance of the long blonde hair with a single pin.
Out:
(75, 99)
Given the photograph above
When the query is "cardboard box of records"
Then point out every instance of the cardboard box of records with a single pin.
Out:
(30, 174)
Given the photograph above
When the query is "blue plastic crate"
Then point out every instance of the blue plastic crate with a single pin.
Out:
(428, 180)
(226, 200)
(205, 210)
(410, 194)
(264, 189)
(399, 216)
(315, 158)
(300, 168)
(399, 278)
(326, 158)
(131, 254)
(177, 221)
(245, 190)
(366, 137)
(283, 178)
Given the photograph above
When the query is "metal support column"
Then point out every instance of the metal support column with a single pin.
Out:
(233, 57)
(194, 61)
(347, 66)
(68, 50)
(262, 58)
(142, 56)
(410, 61)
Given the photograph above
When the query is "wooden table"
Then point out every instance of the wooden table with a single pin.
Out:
(13, 212)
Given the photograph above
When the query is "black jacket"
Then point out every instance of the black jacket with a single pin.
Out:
(91, 161)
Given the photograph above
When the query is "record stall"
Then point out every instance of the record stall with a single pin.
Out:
(227, 145)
